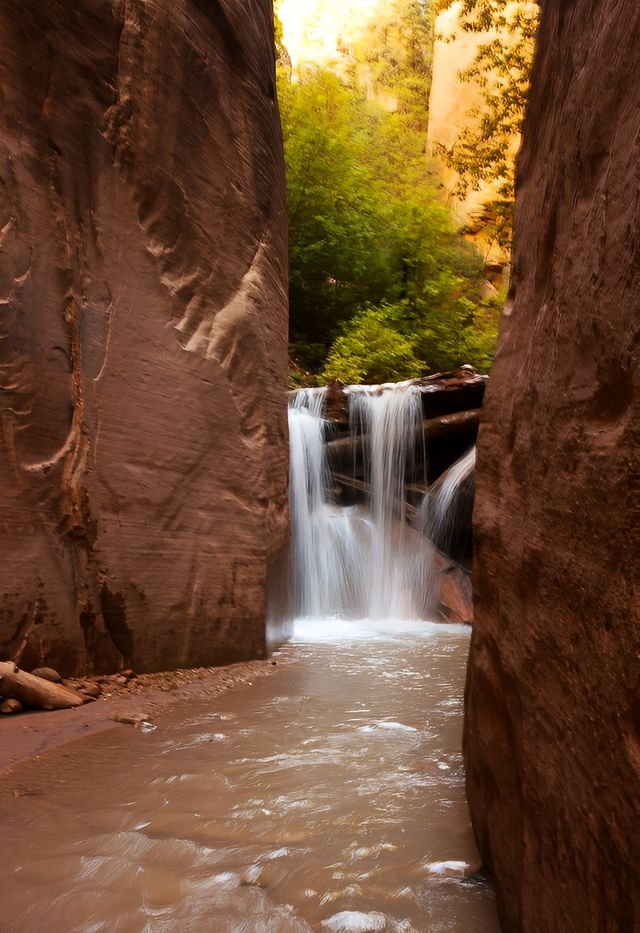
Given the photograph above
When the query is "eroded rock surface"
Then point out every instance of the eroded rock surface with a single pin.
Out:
(552, 743)
(143, 322)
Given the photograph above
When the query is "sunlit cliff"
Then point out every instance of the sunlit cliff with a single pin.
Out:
(322, 31)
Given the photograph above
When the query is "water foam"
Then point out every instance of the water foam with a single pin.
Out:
(358, 562)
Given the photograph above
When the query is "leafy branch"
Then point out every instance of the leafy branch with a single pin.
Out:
(483, 151)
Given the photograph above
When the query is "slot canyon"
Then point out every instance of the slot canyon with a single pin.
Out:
(312, 624)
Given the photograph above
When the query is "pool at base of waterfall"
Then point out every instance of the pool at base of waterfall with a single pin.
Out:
(328, 797)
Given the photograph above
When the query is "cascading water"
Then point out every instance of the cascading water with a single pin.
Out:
(221, 822)
(320, 531)
(450, 482)
(437, 514)
(357, 562)
(396, 564)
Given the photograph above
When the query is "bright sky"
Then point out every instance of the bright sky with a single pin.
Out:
(312, 29)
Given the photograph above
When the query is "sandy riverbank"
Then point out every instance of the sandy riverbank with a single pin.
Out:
(30, 734)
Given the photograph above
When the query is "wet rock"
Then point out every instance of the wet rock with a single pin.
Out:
(132, 719)
(128, 674)
(47, 673)
(261, 876)
(456, 602)
(90, 689)
(552, 743)
(7, 707)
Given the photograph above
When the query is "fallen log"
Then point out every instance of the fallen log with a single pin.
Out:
(361, 492)
(447, 393)
(443, 393)
(35, 691)
(346, 452)
(449, 424)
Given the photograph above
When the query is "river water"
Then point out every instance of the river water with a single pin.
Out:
(329, 796)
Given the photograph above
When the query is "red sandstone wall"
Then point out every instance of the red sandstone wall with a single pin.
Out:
(143, 331)
(552, 740)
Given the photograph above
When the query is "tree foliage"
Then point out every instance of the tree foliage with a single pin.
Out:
(334, 216)
(373, 349)
(395, 57)
(382, 284)
(501, 68)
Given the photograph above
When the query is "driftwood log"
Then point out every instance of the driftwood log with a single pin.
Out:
(442, 394)
(35, 691)
(359, 491)
(447, 393)
(346, 452)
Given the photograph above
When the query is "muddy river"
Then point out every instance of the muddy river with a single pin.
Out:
(329, 796)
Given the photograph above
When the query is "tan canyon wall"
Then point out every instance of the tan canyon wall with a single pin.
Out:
(450, 105)
(143, 325)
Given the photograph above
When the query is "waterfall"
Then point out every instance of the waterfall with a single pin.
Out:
(448, 486)
(360, 561)
(437, 513)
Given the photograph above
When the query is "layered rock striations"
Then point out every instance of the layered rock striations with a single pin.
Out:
(552, 716)
(143, 441)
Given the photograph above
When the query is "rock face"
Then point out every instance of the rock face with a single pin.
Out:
(551, 735)
(143, 450)
(452, 103)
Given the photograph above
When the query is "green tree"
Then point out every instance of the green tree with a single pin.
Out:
(502, 66)
(382, 284)
(395, 57)
(334, 216)
(433, 316)
(372, 349)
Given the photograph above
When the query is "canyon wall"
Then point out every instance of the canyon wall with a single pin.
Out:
(454, 105)
(143, 442)
(552, 741)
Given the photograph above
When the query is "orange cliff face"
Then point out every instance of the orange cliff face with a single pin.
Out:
(450, 105)
(329, 33)
(321, 32)
(144, 346)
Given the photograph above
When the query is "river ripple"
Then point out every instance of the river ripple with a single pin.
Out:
(329, 797)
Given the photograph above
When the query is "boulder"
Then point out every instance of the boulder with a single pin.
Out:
(456, 600)
(47, 673)
(90, 689)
